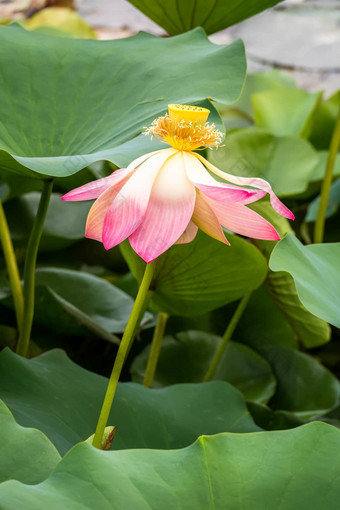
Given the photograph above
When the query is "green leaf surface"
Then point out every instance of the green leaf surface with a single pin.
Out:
(26, 454)
(287, 162)
(319, 169)
(185, 284)
(186, 357)
(332, 204)
(64, 225)
(315, 269)
(286, 470)
(260, 82)
(65, 298)
(82, 111)
(63, 400)
(213, 15)
(284, 111)
(310, 330)
(304, 386)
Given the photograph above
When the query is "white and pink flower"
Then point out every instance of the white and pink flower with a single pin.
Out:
(163, 197)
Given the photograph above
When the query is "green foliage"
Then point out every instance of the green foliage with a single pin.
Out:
(184, 284)
(226, 471)
(82, 111)
(315, 272)
(185, 358)
(63, 400)
(287, 162)
(213, 15)
(26, 454)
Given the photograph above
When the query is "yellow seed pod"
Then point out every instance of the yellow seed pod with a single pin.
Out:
(186, 113)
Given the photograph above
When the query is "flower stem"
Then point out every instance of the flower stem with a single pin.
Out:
(12, 267)
(226, 337)
(327, 182)
(122, 352)
(155, 349)
(29, 269)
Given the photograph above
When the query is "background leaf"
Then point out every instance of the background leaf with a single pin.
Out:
(287, 162)
(177, 17)
(187, 356)
(315, 272)
(63, 400)
(26, 454)
(285, 111)
(310, 330)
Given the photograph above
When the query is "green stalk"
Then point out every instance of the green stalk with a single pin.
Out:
(226, 338)
(12, 267)
(327, 182)
(122, 353)
(29, 269)
(155, 349)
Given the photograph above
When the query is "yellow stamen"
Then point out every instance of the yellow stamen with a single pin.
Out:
(185, 128)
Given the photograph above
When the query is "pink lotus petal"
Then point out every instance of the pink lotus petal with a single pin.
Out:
(94, 189)
(189, 234)
(96, 216)
(169, 211)
(277, 205)
(206, 220)
(200, 177)
(129, 206)
(240, 219)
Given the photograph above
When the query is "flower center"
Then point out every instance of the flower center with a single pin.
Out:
(185, 128)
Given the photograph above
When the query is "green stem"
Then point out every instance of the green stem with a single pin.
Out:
(12, 267)
(29, 270)
(327, 182)
(226, 337)
(155, 349)
(122, 352)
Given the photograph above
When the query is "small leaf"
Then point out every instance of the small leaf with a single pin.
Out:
(315, 272)
(26, 454)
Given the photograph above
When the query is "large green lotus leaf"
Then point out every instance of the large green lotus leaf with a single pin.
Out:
(68, 102)
(213, 15)
(304, 386)
(286, 470)
(315, 269)
(310, 330)
(285, 111)
(287, 162)
(63, 400)
(26, 454)
(64, 225)
(205, 274)
(187, 356)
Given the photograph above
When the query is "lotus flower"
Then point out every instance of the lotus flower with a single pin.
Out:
(163, 197)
